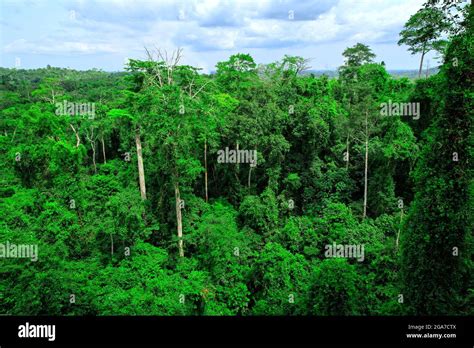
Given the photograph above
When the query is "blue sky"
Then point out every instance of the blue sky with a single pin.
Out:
(85, 34)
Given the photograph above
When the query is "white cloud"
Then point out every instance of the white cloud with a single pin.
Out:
(124, 27)
(54, 47)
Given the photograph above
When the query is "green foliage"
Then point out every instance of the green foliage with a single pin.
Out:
(281, 282)
(334, 288)
(422, 30)
(437, 239)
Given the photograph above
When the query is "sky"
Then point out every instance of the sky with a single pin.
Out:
(103, 34)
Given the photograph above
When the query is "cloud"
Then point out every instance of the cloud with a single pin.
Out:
(297, 10)
(223, 25)
(124, 27)
(23, 46)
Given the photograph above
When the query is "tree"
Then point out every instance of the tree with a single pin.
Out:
(237, 73)
(333, 290)
(168, 96)
(134, 119)
(422, 32)
(358, 55)
(281, 282)
(363, 84)
(355, 56)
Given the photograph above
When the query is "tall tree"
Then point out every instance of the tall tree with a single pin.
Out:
(169, 99)
(362, 82)
(354, 57)
(422, 32)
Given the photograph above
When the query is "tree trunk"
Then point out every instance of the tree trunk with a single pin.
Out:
(103, 148)
(13, 136)
(421, 62)
(399, 228)
(141, 171)
(78, 140)
(205, 167)
(179, 221)
(93, 155)
(250, 175)
(366, 163)
(111, 245)
(237, 165)
(90, 137)
(347, 152)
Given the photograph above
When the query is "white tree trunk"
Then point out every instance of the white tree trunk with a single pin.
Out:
(91, 139)
(205, 167)
(366, 163)
(141, 171)
(179, 221)
(347, 152)
(93, 155)
(399, 228)
(103, 148)
(78, 140)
